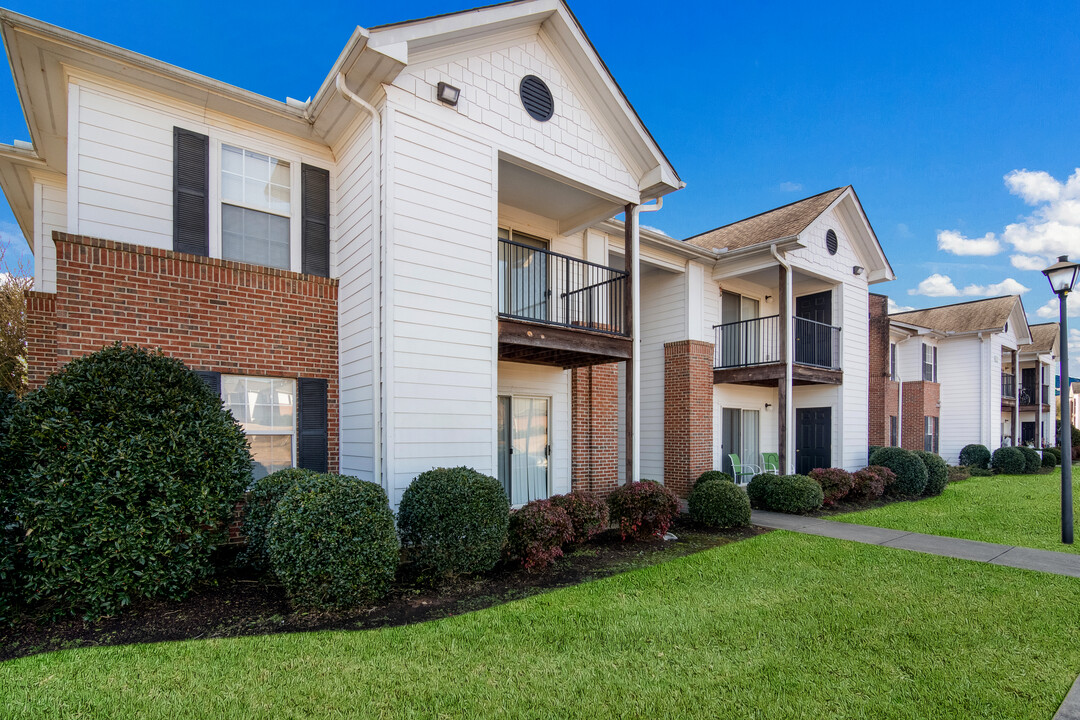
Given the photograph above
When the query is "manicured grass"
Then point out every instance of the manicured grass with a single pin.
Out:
(778, 626)
(1020, 510)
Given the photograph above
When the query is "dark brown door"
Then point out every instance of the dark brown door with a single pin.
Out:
(813, 439)
(813, 336)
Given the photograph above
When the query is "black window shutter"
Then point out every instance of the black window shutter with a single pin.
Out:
(315, 220)
(191, 192)
(312, 435)
(935, 363)
(212, 379)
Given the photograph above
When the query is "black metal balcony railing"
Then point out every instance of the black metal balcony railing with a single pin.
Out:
(1008, 385)
(1029, 394)
(545, 287)
(757, 342)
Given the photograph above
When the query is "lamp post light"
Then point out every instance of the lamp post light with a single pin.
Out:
(1062, 277)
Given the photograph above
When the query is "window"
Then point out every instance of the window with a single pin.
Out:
(266, 408)
(930, 440)
(524, 448)
(929, 359)
(256, 206)
(894, 431)
(892, 361)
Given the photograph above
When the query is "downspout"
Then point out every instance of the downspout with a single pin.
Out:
(635, 367)
(376, 275)
(789, 355)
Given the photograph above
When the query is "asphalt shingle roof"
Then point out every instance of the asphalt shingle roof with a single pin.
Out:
(1043, 336)
(782, 222)
(990, 314)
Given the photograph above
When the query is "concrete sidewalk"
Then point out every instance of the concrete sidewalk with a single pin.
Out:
(1058, 563)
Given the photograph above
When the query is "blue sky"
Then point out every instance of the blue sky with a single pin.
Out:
(928, 109)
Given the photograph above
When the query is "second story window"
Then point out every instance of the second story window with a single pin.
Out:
(256, 206)
(929, 360)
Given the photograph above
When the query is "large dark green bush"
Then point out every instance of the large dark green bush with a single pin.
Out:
(1048, 460)
(975, 455)
(1008, 460)
(937, 472)
(9, 535)
(758, 488)
(1032, 461)
(332, 542)
(262, 499)
(796, 494)
(713, 475)
(719, 504)
(123, 468)
(910, 471)
(453, 521)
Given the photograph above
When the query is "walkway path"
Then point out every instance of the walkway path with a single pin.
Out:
(1058, 563)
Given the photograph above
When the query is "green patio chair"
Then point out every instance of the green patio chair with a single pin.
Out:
(742, 470)
(770, 462)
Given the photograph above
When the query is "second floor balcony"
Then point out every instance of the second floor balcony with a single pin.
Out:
(752, 351)
(559, 310)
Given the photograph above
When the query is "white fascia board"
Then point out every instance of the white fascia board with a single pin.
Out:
(18, 167)
(751, 259)
(866, 244)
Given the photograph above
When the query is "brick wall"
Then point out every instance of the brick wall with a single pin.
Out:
(594, 430)
(688, 413)
(920, 401)
(879, 406)
(211, 314)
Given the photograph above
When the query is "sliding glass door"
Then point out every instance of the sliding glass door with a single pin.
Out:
(524, 447)
(524, 287)
(740, 434)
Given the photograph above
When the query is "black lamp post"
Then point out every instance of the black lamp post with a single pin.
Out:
(1062, 277)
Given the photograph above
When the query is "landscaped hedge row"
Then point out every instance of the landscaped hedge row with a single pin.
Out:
(542, 528)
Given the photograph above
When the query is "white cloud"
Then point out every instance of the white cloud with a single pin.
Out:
(790, 186)
(1053, 228)
(1051, 310)
(1030, 262)
(1008, 286)
(1033, 186)
(655, 230)
(895, 308)
(953, 242)
(936, 286)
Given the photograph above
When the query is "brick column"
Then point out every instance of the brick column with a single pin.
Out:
(594, 429)
(41, 359)
(688, 413)
(882, 403)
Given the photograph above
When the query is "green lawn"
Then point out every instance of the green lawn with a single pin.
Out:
(778, 626)
(1020, 510)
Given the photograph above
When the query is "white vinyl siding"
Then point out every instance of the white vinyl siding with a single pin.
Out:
(967, 412)
(663, 320)
(50, 215)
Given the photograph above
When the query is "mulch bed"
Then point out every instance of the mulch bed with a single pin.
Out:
(238, 603)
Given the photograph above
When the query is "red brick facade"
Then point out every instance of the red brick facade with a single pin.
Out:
(211, 314)
(920, 402)
(688, 413)
(594, 431)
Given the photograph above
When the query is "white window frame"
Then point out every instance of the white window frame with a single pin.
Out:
(296, 407)
(243, 142)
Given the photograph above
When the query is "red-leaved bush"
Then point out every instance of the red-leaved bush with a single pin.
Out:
(537, 533)
(644, 509)
(588, 514)
(870, 483)
(835, 483)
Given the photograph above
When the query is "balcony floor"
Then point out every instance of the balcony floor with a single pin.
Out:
(540, 344)
(768, 375)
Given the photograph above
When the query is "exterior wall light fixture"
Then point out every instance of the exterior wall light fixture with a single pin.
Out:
(448, 94)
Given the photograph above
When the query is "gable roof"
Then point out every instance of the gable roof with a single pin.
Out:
(782, 222)
(971, 316)
(1044, 337)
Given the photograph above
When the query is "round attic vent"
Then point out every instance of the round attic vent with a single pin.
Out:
(831, 242)
(537, 99)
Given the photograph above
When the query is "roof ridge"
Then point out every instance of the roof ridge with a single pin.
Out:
(766, 212)
(957, 304)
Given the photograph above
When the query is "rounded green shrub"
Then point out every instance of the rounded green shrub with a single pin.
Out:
(719, 504)
(1057, 455)
(1032, 461)
(910, 471)
(835, 483)
(1008, 461)
(124, 467)
(795, 494)
(332, 542)
(9, 535)
(758, 489)
(937, 472)
(644, 510)
(975, 455)
(589, 515)
(713, 475)
(1048, 460)
(538, 532)
(262, 499)
(453, 521)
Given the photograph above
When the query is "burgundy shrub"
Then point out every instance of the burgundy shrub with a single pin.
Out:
(588, 514)
(644, 509)
(537, 533)
(870, 483)
(835, 483)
